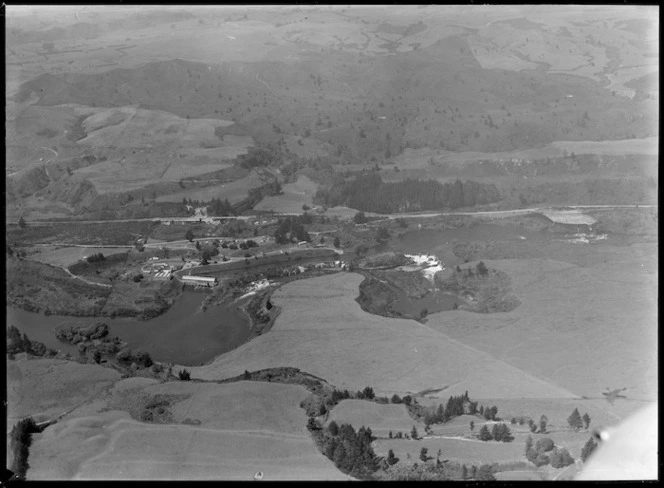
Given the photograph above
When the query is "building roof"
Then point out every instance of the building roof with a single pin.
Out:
(206, 279)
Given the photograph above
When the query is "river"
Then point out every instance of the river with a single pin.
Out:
(183, 335)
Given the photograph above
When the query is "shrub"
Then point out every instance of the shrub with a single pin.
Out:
(561, 458)
(545, 444)
(541, 460)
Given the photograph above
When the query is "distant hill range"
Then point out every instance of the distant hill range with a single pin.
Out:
(362, 106)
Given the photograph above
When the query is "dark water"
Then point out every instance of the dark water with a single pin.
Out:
(184, 334)
(441, 242)
(435, 301)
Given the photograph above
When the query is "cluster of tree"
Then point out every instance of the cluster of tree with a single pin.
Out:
(350, 451)
(542, 425)
(455, 406)
(17, 343)
(431, 470)
(289, 228)
(576, 421)
(21, 439)
(500, 432)
(260, 157)
(369, 193)
(489, 413)
(141, 358)
(218, 207)
(95, 258)
(255, 195)
(184, 375)
(545, 452)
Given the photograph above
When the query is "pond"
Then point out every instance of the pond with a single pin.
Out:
(435, 301)
(184, 334)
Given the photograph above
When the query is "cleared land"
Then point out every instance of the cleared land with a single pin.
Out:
(45, 388)
(244, 427)
(66, 256)
(295, 195)
(381, 418)
(323, 330)
(583, 327)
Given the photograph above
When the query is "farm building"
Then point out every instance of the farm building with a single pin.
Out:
(200, 280)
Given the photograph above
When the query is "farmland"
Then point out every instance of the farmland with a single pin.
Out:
(205, 441)
(257, 145)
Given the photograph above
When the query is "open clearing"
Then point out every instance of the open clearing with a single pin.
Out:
(469, 451)
(562, 351)
(323, 330)
(235, 191)
(66, 256)
(581, 327)
(381, 418)
(244, 427)
(295, 195)
(44, 388)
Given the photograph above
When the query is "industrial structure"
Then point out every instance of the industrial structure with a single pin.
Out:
(200, 280)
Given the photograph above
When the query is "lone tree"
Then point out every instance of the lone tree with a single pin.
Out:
(542, 424)
(189, 235)
(414, 434)
(423, 454)
(586, 420)
(574, 421)
(360, 218)
(391, 458)
(482, 270)
(472, 425)
(21, 223)
(336, 242)
(588, 449)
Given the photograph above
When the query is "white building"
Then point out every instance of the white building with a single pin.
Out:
(200, 280)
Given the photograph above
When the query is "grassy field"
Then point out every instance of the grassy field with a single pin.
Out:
(323, 330)
(244, 427)
(234, 191)
(45, 388)
(576, 346)
(381, 418)
(295, 195)
(469, 451)
(66, 256)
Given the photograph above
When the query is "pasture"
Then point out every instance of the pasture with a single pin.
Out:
(323, 330)
(243, 428)
(45, 388)
(296, 194)
(234, 191)
(572, 326)
(468, 451)
(381, 418)
(66, 256)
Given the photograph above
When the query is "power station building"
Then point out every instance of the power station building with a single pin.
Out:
(200, 280)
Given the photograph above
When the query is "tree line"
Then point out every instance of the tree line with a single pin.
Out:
(368, 192)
